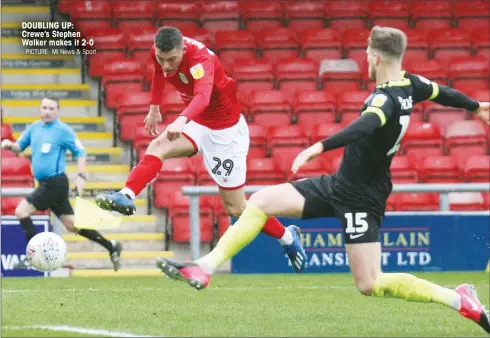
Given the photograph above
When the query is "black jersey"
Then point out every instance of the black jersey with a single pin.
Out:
(364, 173)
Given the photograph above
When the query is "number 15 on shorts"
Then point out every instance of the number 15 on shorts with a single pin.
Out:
(356, 224)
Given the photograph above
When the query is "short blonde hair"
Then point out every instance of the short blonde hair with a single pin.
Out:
(390, 41)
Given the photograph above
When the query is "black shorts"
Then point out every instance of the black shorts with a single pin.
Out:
(324, 199)
(52, 193)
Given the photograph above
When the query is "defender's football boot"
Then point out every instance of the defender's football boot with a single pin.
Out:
(295, 251)
(472, 308)
(188, 272)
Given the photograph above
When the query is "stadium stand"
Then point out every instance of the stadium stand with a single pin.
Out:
(403, 170)
(258, 16)
(16, 172)
(313, 106)
(275, 50)
(393, 14)
(321, 43)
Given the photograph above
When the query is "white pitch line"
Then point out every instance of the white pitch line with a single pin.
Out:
(65, 328)
(239, 288)
(217, 288)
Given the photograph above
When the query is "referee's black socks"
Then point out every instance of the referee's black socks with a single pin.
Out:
(96, 236)
(28, 227)
(93, 235)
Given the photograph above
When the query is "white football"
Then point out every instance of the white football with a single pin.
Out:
(46, 251)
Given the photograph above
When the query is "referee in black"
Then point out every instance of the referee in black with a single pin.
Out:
(49, 138)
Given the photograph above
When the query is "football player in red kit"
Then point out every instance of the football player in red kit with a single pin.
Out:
(210, 124)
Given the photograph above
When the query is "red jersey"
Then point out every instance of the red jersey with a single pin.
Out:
(207, 91)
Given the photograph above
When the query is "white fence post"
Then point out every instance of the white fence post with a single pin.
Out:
(195, 226)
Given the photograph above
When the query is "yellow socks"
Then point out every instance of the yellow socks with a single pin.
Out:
(411, 288)
(235, 238)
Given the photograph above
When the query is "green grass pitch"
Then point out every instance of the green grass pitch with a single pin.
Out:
(233, 305)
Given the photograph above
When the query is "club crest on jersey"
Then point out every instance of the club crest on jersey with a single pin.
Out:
(197, 71)
(183, 78)
(379, 100)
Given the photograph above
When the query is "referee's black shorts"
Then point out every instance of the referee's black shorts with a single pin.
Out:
(52, 193)
(323, 198)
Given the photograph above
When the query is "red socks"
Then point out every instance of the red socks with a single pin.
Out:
(144, 172)
(273, 228)
(148, 169)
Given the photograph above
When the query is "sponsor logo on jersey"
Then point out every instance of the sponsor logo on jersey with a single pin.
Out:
(197, 71)
(406, 103)
(379, 100)
(183, 78)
